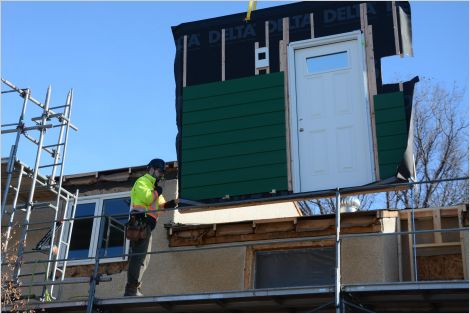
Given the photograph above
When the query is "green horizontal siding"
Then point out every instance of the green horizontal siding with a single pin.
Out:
(392, 132)
(233, 138)
(249, 187)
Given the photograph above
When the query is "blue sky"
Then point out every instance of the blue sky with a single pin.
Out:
(118, 57)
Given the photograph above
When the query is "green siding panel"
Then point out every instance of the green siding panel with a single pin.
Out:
(238, 149)
(392, 132)
(233, 138)
(232, 124)
(236, 86)
(249, 187)
(251, 97)
(240, 175)
(249, 109)
(233, 162)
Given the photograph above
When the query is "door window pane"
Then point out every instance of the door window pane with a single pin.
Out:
(117, 212)
(81, 234)
(328, 62)
(294, 268)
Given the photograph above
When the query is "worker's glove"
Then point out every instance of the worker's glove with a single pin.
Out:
(171, 204)
(159, 190)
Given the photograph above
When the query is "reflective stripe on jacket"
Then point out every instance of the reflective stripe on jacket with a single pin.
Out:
(144, 197)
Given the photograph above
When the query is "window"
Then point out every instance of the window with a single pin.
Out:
(84, 240)
(114, 240)
(82, 229)
(329, 62)
(295, 267)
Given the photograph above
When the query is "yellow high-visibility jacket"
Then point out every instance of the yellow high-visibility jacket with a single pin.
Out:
(144, 198)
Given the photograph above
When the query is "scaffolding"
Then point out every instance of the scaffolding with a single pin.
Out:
(52, 183)
(342, 296)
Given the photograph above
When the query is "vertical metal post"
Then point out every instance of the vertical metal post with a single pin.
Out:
(338, 302)
(29, 205)
(13, 210)
(413, 229)
(14, 150)
(92, 290)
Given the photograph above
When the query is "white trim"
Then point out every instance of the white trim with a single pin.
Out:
(309, 43)
(98, 200)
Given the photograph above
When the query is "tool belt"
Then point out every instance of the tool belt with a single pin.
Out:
(137, 228)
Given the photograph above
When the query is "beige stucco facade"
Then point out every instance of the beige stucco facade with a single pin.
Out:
(372, 259)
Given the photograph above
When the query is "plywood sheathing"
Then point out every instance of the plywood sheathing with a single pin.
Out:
(273, 229)
(371, 80)
(440, 267)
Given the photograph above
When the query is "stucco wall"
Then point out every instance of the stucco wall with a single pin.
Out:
(372, 259)
(176, 273)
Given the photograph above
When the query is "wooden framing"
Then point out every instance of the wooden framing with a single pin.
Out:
(266, 41)
(395, 29)
(283, 67)
(250, 260)
(185, 57)
(438, 247)
(283, 228)
(462, 245)
(371, 81)
(312, 26)
(223, 54)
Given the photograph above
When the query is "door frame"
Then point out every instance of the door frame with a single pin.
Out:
(310, 43)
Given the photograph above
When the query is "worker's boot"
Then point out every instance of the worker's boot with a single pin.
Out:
(133, 290)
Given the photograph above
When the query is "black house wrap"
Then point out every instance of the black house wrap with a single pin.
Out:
(204, 59)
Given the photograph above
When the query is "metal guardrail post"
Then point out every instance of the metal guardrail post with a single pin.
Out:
(92, 290)
(338, 303)
(14, 150)
(413, 229)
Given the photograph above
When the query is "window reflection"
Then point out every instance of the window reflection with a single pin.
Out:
(327, 62)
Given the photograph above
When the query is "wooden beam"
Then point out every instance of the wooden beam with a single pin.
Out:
(223, 54)
(371, 81)
(395, 30)
(202, 238)
(312, 26)
(462, 245)
(248, 270)
(436, 221)
(285, 42)
(185, 57)
(256, 48)
(428, 212)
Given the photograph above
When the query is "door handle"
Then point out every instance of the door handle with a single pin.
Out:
(301, 129)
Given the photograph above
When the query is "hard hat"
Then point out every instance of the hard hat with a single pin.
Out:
(157, 164)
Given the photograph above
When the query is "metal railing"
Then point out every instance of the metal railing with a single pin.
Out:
(339, 301)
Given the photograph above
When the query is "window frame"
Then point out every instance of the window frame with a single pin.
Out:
(99, 200)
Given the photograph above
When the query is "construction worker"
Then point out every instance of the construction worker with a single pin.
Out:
(146, 199)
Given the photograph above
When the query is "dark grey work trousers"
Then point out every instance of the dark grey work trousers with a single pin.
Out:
(138, 263)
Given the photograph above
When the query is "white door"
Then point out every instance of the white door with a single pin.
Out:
(332, 124)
